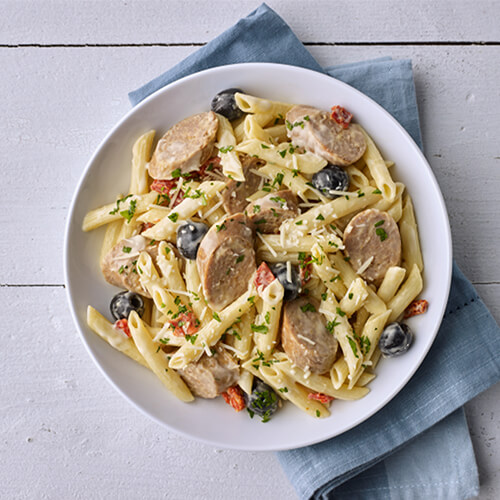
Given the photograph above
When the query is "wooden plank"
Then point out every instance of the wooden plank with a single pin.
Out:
(61, 419)
(72, 97)
(64, 426)
(181, 21)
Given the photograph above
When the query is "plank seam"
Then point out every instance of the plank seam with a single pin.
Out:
(494, 43)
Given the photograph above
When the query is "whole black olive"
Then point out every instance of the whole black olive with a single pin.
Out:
(123, 303)
(225, 104)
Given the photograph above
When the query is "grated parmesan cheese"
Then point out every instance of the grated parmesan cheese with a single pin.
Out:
(306, 339)
(269, 247)
(365, 265)
(288, 271)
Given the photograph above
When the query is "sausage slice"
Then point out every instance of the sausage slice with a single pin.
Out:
(317, 132)
(234, 197)
(373, 233)
(305, 338)
(119, 265)
(226, 260)
(267, 213)
(184, 147)
(211, 375)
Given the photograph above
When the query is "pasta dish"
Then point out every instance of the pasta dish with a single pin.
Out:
(265, 254)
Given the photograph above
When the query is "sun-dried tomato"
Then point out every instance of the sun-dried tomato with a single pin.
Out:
(163, 186)
(234, 397)
(305, 270)
(185, 324)
(341, 116)
(145, 226)
(211, 165)
(264, 276)
(319, 396)
(166, 188)
(416, 307)
(122, 324)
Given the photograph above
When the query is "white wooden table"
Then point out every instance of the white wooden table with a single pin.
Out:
(65, 70)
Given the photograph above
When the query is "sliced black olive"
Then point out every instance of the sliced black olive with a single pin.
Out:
(189, 236)
(330, 179)
(395, 339)
(292, 288)
(225, 104)
(123, 303)
(263, 401)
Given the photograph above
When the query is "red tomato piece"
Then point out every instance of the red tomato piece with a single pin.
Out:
(185, 324)
(163, 186)
(341, 116)
(166, 188)
(145, 226)
(122, 324)
(416, 307)
(211, 165)
(234, 397)
(319, 396)
(305, 270)
(264, 276)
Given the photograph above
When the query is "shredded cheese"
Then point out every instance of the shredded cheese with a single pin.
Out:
(365, 265)
(306, 339)
(269, 247)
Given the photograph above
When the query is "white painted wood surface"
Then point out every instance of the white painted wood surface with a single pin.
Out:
(65, 433)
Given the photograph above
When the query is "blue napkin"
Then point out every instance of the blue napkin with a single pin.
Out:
(418, 446)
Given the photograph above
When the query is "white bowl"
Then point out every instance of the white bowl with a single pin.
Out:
(107, 174)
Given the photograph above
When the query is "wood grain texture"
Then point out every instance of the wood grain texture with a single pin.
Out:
(66, 433)
(458, 99)
(326, 21)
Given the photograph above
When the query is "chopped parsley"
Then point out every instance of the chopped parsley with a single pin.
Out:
(164, 341)
(173, 216)
(351, 295)
(318, 414)
(377, 191)
(264, 146)
(278, 179)
(324, 296)
(290, 125)
(222, 227)
(259, 329)
(128, 214)
(320, 217)
(121, 200)
(379, 223)
(330, 326)
(191, 338)
(299, 223)
(256, 209)
(340, 312)
(381, 233)
(283, 389)
(353, 345)
(126, 249)
(308, 307)
(267, 317)
(360, 194)
(216, 317)
(240, 259)
(260, 221)
(226, 149)
(282, 153)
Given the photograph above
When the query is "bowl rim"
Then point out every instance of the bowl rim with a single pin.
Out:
(70, 222)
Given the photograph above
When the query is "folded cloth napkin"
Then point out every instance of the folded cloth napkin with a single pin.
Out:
(418, 446)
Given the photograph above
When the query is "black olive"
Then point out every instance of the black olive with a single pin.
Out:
(123, 303)
(292, 288)
(330, 179)
(189, 236)
(395, 339)
(263, 401)
(225, 104)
